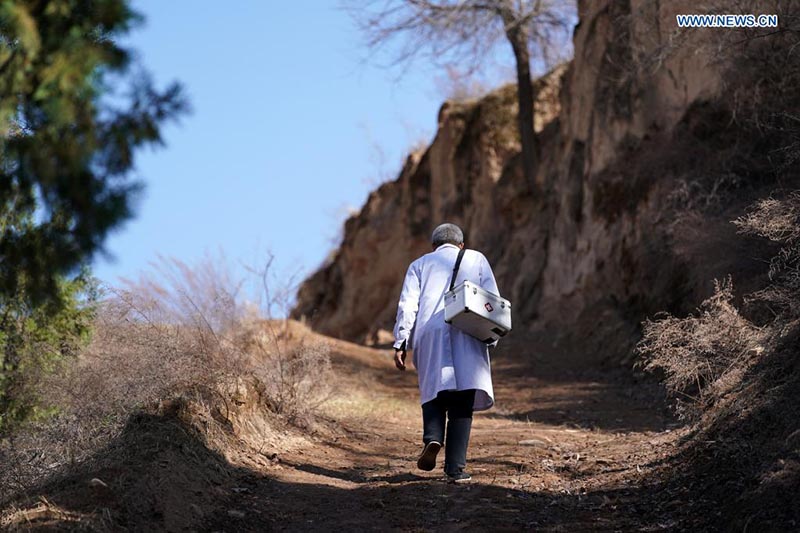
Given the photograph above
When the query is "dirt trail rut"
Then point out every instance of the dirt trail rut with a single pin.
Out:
(563, 450)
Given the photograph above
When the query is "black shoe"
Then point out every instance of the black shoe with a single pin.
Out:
(427, 459)
(458, 477)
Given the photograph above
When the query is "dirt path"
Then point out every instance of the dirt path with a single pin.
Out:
(562, 451)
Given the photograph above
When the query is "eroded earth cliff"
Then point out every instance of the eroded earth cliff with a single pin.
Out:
(628, 216)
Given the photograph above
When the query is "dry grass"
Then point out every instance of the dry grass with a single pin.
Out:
(45, 513)
(294, 372)
(700, 354)
(182, 333)
(779, 221)
(704, 356)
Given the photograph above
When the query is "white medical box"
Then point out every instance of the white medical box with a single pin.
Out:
(478, 312)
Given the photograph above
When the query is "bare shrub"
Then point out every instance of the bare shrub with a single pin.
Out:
(296, 370)
(295, 377)
(700, 355)
(706, 194)
(778, 221)
(197, 312)
(703, 356)
(180, 333)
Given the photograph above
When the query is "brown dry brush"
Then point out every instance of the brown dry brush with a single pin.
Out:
(778, 221)
(184, 335)
(700, 354)
(704, 356)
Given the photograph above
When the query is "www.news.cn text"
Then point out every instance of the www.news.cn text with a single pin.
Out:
(727, 21)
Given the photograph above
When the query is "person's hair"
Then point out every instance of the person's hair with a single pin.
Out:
(447, 234)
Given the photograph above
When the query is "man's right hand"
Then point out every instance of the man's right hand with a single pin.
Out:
(400, 358)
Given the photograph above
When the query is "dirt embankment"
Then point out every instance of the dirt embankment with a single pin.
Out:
(629, 130)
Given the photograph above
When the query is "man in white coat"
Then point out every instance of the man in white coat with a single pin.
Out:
(454, 370)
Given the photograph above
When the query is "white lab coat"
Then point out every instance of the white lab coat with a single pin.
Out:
(445, 357)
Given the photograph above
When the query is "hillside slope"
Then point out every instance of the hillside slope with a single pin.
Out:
(632, 129)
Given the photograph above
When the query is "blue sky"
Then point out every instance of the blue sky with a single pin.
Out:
(289, 130)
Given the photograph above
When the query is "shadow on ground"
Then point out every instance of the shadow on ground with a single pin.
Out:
(559, 393)
(157, 475)
(416, 503)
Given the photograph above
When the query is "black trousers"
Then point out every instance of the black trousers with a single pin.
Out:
(456, 408)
